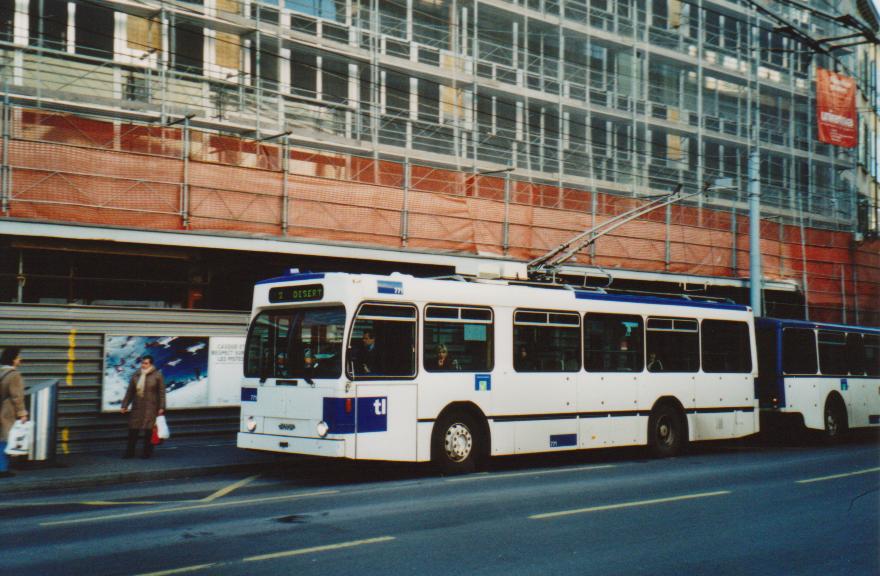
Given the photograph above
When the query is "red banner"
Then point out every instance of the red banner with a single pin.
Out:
(836, 109)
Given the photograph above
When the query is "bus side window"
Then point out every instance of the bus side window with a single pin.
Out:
(832, 353)
(726, 346)
(799, 351)
(676, 341)
(855, 354)
(382, 342)
(872, 354)
(464, 332)
(613, 343)
(546, 341)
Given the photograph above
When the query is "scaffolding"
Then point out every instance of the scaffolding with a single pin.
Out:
(613, 95)
(70, 168)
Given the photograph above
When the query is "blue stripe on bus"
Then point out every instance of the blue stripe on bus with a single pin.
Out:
(293, 278)
(874, 419)
(350, 415)
(581, 295)
(560, 440)
(248, 394)
(616, 414)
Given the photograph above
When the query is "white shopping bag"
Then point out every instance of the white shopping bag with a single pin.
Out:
(162, 428)
(21, 435)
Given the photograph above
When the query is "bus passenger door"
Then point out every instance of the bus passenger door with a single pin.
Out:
(385, 420)
(382, 363)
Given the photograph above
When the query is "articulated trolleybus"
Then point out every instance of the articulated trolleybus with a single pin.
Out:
(452, 370)
(826, 376)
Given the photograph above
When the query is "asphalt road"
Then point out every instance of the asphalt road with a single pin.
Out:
(733, 508)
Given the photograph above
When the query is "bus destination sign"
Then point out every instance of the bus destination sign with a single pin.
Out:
(305, 293)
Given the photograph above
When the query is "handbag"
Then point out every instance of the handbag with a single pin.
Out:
(154, 438)
(162, 427)
(21, 436)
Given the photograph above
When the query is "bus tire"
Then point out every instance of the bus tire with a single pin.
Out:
(835, 420)
(457, 443)
(666, 431)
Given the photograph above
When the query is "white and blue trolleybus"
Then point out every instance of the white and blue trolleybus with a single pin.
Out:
(456, 370)
(825, 375)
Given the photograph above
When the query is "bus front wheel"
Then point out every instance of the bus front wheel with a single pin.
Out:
(666, 431)
(456, 444)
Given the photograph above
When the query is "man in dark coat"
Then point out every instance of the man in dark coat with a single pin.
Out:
(146, 395)
(367, 358)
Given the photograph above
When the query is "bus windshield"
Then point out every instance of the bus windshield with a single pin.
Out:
(296, 343)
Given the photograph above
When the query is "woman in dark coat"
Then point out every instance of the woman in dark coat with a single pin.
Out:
(146, 394)
(12, 406)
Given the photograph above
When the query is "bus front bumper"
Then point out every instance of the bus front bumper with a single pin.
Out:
(332, 448)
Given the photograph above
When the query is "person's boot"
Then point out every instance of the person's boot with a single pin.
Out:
(132, 439)
(148, 444)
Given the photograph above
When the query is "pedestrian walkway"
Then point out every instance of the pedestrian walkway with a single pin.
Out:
(170, 460)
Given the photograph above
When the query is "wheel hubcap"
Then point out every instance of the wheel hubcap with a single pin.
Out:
(459, 442)
(830, 422)
(665, 432)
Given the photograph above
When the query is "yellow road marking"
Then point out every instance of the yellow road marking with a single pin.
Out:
(185, 508)
(627, 505)
(224, 491)
(302, 551)
(183, 570)
(836, 476)
(535, 473)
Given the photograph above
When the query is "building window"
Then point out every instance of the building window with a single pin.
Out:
(188, 52)
(95, 25)
(48, 29)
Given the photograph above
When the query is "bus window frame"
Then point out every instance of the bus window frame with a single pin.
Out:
(549, 323)
(459, 320)
(349, 371)
(675, 329)
(281, 307)
(782, 366)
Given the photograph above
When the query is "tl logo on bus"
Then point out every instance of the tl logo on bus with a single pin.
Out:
(380, 406)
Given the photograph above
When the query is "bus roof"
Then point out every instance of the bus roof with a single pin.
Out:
(791, 323)
(579, 294)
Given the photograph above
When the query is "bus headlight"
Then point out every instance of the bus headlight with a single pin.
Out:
(251, 424)
(322, 428)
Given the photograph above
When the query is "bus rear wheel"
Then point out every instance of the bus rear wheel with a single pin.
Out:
(456, 444)
(835, 419)
(666, 431)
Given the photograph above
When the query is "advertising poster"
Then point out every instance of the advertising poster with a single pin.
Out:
(225, 368)
(183, 360)
(836, 116)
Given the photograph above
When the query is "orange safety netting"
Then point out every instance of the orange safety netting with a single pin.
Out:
(66, 168)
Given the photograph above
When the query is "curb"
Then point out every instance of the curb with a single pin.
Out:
(57, 484)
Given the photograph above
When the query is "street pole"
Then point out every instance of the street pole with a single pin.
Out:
(755, 277)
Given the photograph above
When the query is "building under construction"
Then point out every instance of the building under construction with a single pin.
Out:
(158, 157)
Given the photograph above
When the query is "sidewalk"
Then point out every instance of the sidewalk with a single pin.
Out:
(185, 460)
